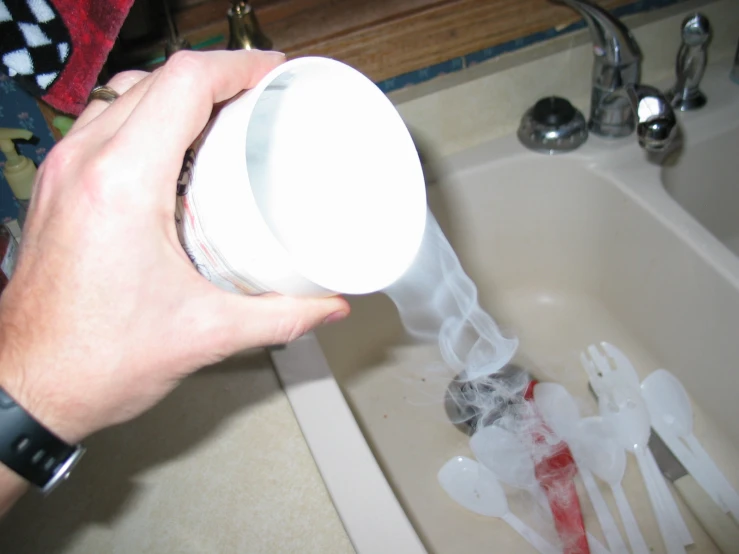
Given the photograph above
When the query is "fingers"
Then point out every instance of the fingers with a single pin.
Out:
(255, 321)
(121, 83)
(179, 101)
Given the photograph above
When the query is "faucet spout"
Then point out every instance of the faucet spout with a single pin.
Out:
(612, 40)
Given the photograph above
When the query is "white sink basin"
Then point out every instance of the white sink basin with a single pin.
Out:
(565, 251)
(704, 178)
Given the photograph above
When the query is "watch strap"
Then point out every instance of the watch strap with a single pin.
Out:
(30, 449)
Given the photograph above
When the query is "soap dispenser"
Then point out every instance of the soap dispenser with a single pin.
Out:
(19, 170)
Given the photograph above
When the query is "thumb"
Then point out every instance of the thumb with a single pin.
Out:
(255, 321)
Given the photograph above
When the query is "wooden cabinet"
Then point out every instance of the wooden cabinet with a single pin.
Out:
(382, 38)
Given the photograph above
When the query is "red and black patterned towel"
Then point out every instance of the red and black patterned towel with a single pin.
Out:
(56, 48)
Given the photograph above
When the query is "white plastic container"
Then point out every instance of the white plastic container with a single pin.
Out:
(308, 184)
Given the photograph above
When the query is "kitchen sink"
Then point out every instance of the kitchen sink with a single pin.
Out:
(703, 177)
(601, 244)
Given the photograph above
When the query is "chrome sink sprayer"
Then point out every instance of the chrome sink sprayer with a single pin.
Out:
(692, 57)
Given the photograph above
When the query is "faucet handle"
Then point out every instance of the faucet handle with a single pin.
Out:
(696, 30)
(691, 63)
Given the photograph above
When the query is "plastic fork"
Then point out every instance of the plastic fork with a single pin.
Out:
(620, 401)
(626, 369)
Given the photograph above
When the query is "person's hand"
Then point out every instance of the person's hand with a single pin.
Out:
(105, 314)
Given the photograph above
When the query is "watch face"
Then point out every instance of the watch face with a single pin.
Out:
(63, 470)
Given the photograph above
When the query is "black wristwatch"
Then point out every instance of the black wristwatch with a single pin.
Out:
(31, 450)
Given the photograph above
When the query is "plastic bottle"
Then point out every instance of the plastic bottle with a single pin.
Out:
(19, 171)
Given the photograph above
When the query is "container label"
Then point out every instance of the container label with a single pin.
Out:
(7, 266)
(202, 253)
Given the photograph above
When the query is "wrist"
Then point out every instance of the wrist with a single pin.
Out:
(43, 408)
(31, 450)
(36, 395)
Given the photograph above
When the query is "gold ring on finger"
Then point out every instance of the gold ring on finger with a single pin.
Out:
(104, 93)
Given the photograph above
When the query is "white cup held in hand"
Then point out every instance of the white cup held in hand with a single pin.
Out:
(308, 184)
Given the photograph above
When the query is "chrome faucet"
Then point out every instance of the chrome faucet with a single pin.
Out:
(619, 103)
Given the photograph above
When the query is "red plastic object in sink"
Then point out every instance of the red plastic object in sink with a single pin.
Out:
(555, 473)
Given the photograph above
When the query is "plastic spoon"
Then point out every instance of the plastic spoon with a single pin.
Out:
(625, 374)
(601, 454)
(662, 424)
(559, 410)
(476, 489)
(507, 457)
(503, 453)
(626, 371)
(672, 414)
(553, 470)
(623, 408)
(630, 421)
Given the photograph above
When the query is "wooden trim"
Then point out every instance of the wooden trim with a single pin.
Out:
(440, 33)
(381, 38)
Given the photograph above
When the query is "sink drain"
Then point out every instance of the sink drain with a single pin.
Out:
(480, 402)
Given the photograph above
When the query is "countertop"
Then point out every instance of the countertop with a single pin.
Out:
(219, 466)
